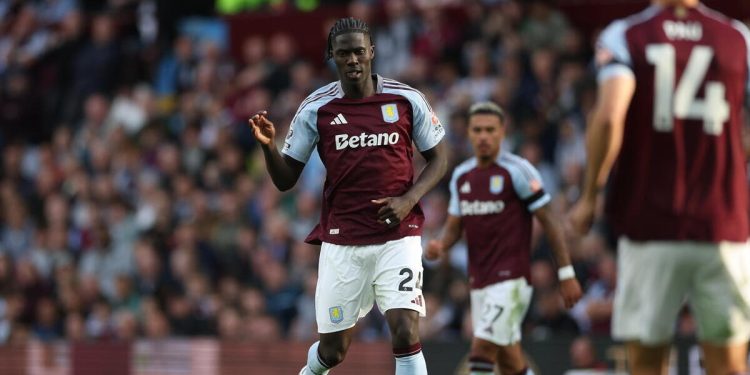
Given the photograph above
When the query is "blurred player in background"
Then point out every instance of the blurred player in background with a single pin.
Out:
(494, 198)
(363, 127)
(672, 83)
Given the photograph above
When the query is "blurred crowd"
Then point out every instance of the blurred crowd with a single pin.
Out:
(134, 202)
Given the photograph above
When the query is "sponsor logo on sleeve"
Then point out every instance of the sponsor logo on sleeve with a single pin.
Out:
(535, 185)
(603, 57)
(437, 127)
(435, 119)
(336, 313)
(390, 112)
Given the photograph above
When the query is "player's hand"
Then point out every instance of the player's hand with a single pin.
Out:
(263, 129)
(581, 216)
(394, 210)
(570, 291)
(434, 250)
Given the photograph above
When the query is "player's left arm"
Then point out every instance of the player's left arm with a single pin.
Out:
(606, 123)
(603, 141)
(570, 289)
(399, 207)
(605, 132)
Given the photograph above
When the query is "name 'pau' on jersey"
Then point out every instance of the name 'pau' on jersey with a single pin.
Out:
(681, 171)
(495, 205)
(366, 147)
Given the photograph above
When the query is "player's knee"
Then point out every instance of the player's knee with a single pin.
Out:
(404, 330)
(332, 350)
(332, 355)
(483, 349)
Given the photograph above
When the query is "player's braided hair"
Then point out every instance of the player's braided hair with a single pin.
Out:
(344, 26)
(488, 108)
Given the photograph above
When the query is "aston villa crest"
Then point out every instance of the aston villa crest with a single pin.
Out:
(496, 184)
(336, 314)
(390, 112)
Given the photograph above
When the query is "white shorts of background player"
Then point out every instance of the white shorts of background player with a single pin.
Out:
(655, 279)
(497, 311)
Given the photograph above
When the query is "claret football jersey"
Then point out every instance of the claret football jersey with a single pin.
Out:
(495, 204)
(681, 171)
(366, 147)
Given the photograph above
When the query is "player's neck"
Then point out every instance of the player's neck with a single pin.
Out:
(359, 91)
(685, 3)
(484, 162)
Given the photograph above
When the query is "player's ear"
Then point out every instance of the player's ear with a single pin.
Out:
(372, 51)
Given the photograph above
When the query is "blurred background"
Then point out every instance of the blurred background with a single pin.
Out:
(139, 233)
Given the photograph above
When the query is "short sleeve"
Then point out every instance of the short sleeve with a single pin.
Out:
(428, 130)
(742, 28)
(453, 207)
(527, 183)
(303, 134)
(612, 57)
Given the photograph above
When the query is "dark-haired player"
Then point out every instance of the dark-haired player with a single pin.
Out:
(672, 83)
(494, 198)
(363, 127)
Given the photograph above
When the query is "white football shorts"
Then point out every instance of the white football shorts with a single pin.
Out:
(352, 278)
(656, 278)
(497, 311)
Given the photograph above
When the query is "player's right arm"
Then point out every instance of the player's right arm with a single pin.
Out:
(606, 125)
(453, 227)
(284, 170)
(450, 235)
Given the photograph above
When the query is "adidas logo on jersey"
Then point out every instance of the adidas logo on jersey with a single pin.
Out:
(344, 141)
(339, 120)
(466, 188)
(471, 208)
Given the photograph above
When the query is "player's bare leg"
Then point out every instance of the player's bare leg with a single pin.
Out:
(484, 354)
(722, 360)
(482, 357)
(648, 360)
(328, 352)
(511, 361)
(404, 327)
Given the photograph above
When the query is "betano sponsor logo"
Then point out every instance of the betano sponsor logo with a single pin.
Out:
(344, 141)
(477, 207)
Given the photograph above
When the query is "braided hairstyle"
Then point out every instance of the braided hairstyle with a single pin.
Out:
(345, 26)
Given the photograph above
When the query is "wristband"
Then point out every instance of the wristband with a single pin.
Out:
(565, 273)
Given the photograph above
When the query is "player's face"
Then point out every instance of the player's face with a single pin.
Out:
(486, 133)
(353, 54)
